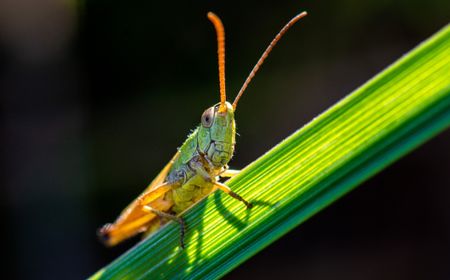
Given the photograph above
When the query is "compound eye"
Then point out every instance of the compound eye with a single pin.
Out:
(208, 117)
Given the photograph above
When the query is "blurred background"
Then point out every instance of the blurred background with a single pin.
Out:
(97, 95)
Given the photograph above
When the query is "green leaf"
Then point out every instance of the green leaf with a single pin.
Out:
(390, 115)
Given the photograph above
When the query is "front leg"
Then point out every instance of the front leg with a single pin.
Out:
(198, 166)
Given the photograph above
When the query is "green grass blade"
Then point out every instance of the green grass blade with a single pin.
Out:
(393, 113)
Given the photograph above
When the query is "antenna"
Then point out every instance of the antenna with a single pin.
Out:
(220, 32)
(265, 54)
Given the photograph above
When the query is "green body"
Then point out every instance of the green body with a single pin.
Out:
(203, 156)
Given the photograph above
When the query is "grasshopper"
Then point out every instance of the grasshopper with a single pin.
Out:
(196, 168)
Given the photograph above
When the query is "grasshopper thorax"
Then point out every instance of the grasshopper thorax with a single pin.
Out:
(216, 134)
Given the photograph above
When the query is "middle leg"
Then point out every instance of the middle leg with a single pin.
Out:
(177, 219)
(227, 190)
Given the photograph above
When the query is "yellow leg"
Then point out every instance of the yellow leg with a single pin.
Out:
(227, 190)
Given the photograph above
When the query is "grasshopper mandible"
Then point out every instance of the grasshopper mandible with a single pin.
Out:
(194, 171)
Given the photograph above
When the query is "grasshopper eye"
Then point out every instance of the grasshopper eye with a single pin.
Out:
(208, 117)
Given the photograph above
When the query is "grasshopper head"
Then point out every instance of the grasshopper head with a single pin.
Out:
(217, 133)
(217, 130)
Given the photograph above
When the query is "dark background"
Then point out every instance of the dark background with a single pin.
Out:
(97, 95)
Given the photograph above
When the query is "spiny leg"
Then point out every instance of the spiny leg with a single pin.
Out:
(170, 217)
(133, 219)
(227, 190)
